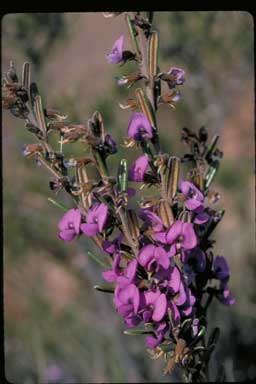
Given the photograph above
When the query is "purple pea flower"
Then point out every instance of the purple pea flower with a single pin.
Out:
(112, 246)
(220, 269)
(116, 54)
(69, 225)
(177, 77)
(151, 220)
(114, 274)
(183, 234)
(110, 144)
(138, 169)
(194, 197)
(152, 257)
(200, 216)
(194, 327)
(168, 278)
(154, 304)
(95, 219)
(139, 127)
(153, 341)
(194, 261)
(224, 295)
(126, 299)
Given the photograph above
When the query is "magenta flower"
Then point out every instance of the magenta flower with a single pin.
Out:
(154, 304)
(116, 54)
(159, 331)
(126, 299)
(151, 220)
(177, 77)
(127, 273)
(139, 127)
(183, 234)
(168, 278)
(112, 246)
(200, 216)
(69, 225)
(152, 257)
(138, 169)
(95, 220)
(220, 269)
(194, 197)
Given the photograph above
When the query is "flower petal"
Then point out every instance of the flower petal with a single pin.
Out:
(160, 308)
(89, 229)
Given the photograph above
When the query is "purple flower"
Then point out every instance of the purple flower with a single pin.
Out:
(194, 197)
(126, 299)
(69, 225)
(224, 295)
(127, 273)
(176, 77)
(200, 216)
(154, 304)
(194, 261)
(110, 144)
(112, 246)
(139, 127)
(95, 219)
(183, 234)
(151, 220)
(168, 278)
(151, 257)
(194, 327)
(116, 54)
(220, 269)
(138, 169)
(153, 341)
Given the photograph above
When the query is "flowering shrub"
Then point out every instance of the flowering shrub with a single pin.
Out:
(159, 261)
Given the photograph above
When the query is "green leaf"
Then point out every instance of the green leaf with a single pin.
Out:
(122, 176)
(57, 204)
(104, 288)
(98, 260)
(135, 332)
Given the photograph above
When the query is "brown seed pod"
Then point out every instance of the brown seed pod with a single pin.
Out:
(165, 213)
(173, 176)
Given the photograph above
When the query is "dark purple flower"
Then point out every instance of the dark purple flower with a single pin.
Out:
(95, 219)
(220, 269)
(194, 261)
(154, 305)
(112, 246)
(138, 169)
(152, 257)
(224, 294)
(168, 278)
(151, 220)
(110, 144)
(176, 77)
(139, 127)
(194, 197)
(116, 54)
(153, 341)
(69, 225)
(200, 216)
(182, 234)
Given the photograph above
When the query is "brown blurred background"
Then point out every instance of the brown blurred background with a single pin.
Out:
(57, 328)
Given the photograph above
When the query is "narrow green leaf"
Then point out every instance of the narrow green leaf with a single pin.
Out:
(132, 35)
(212, 170)
(122, 176)
(104, 288)
(57, 204)
(98, 260)
(135, 332)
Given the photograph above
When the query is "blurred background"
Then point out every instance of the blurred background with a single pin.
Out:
(57, 327)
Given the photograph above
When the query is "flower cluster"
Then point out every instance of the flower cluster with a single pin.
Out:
(163, 274)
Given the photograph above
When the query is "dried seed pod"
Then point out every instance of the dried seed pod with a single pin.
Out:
(153, 55)
(96, 126)
(133, 224)
(54, 115)
(173, 176)
(165, 213)
(82, 180)
(26, 76)
(145, 106)
(40, 114)
(131, 104)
